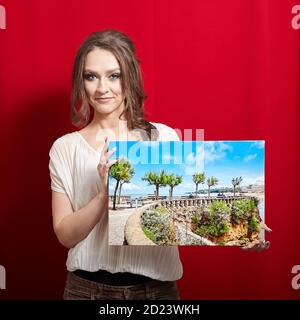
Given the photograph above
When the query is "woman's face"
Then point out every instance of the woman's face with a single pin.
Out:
(102, 82)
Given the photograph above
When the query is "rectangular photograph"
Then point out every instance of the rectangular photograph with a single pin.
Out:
(199, 193)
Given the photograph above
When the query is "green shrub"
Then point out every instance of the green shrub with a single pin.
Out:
(215, 222)
(149, 234)
(223, 227)
(243, 240)
(213, 229)
(255, 201)
(242, 210)
(196, 218)
(216, 218)
(202, 231)
(158, 226)
(161, 209)
(253, 224)
(218, 208)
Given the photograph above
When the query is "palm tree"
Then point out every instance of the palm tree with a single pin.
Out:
(158, 180)
(173, 181)
(129, 172)
(197, 179)
(122, 172)
(236, 182)
(211, 182)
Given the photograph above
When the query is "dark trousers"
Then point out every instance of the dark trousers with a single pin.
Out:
(78, 288)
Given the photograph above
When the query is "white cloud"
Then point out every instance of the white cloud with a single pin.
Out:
(260, 180)
(223, 147)
(255, 180)
(130, 186)
(258, 144)
(195, 161)
(190, 159)
(187, 185)
(197, 157)
(200, 154)
(190, 170)
(250, 157)
(126, 186)
(111, 186)
(169, 158)
(215, 150)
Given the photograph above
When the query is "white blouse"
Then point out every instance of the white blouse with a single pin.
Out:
(73, 171)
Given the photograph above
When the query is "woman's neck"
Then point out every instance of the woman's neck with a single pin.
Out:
(114, 128)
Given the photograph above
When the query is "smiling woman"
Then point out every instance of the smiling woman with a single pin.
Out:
(102, 83)
(107, 77)
(107, 104)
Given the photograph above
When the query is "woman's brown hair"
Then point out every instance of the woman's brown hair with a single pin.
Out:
(121, 46)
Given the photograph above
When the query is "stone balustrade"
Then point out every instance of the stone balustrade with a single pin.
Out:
(195, 202)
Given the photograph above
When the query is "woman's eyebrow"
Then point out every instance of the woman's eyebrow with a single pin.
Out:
(108, 71)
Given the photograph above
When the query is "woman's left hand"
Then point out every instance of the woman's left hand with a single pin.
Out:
(262, 245)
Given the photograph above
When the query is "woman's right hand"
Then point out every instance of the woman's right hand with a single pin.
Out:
(104, 165)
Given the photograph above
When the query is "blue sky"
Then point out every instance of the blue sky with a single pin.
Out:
(222, 159)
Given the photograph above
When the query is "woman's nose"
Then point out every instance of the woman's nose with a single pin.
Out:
(102, 85)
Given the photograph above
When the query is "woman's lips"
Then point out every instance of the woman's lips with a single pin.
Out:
(103, 99)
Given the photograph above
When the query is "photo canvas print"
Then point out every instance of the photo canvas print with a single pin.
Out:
(203, 193)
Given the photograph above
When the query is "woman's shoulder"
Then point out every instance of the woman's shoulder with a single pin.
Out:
(166, 133)
(65, 141)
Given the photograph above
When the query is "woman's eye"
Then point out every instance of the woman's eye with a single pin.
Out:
(89, 77)
(115, 76)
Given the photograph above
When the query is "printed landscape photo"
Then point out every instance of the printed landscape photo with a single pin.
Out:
(187, 193)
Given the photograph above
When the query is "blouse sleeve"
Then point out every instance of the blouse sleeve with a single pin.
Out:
(55, 169)
(166, 133)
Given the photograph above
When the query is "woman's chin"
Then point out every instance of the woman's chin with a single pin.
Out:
(107, 111)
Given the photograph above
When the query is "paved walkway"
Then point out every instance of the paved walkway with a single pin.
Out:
(116, 224)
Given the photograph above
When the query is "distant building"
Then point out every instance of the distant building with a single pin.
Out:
(255, 188)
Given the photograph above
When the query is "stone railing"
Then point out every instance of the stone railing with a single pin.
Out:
(122, 198)
(177, 203)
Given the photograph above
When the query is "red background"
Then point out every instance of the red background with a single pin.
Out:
(230, 67)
